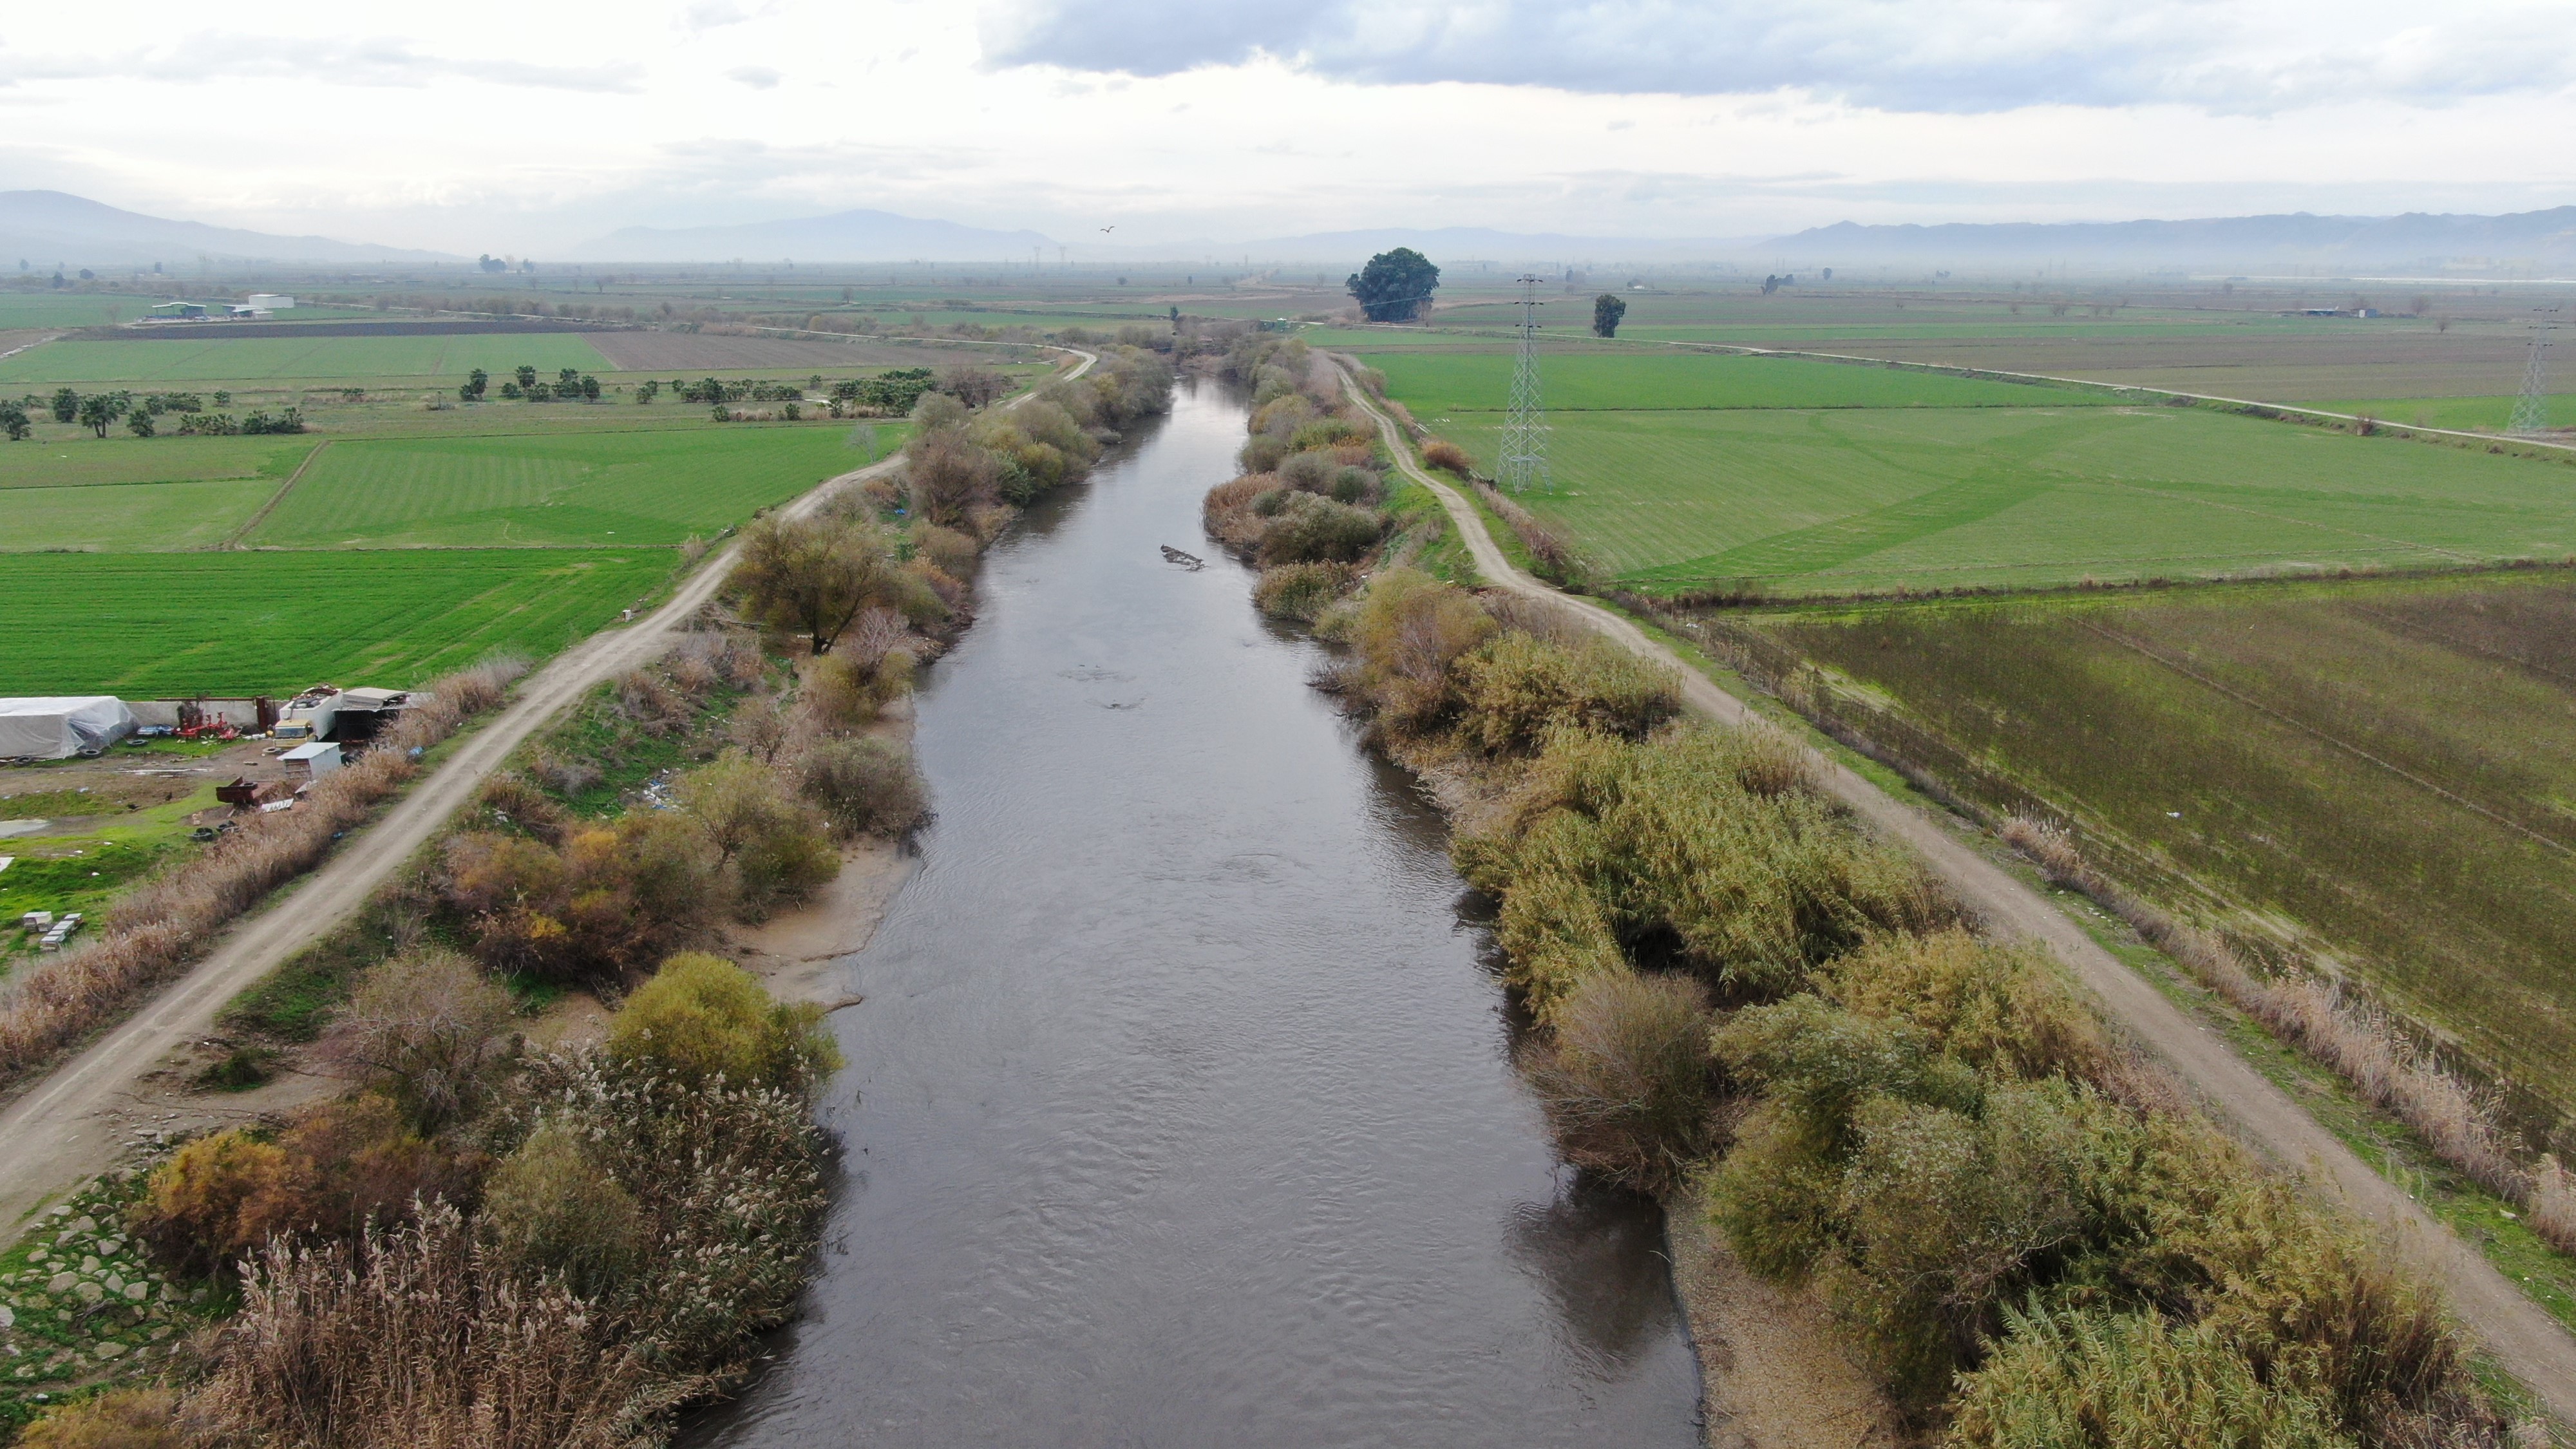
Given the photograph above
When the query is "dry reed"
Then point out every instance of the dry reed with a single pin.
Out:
(2357, 1040)
(154, 932)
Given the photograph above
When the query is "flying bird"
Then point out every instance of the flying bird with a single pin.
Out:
(1106, 230)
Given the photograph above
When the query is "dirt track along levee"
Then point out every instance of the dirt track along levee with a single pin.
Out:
(2525, 1340)
(64, 1129)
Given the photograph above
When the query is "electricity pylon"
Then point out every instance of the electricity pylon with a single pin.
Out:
(2529, 411)
(1524, 462)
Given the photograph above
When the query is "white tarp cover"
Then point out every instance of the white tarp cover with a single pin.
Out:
(50, 729)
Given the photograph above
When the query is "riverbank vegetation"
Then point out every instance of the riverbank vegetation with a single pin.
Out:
(1742, 1001)
(494, 1244)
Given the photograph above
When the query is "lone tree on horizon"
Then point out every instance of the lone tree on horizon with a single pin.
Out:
(1395, 286)
(1606, 312)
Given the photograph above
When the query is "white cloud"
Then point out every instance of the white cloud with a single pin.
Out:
(388, 123)
(1950, 56)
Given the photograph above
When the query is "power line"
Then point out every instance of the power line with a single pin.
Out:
(2530, 412)
(1524, 462)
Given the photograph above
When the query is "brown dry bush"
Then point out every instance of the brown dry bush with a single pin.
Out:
(953, 551)
(418, 1339)
(1517, 687)
(650, 702)
(136, 1418)
(1448, 457)
(427, 1029)
(607, 903)
(1625, 1080)
(1227, 510)
(1407, 630)
(1301, 591)
(862, 786)
(514, 802)
(2552, 1204)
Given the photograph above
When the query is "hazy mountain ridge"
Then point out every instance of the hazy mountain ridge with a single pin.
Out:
(50, 228)
(845, 236)
(2298, 237)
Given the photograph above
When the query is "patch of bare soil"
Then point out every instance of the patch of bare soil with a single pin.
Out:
(794, 952)
(1772, 1370)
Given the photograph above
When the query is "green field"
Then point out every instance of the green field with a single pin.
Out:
(1631, 381)
(593, 488)
(128, 517)
(164, 624)
(1803, 499)
(2475, 414)
(2386, 769)
(228, 359)
(80, 460)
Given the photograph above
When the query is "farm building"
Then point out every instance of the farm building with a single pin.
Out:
(313, 761)
(177, 312)
(271, 302)
(57, 727)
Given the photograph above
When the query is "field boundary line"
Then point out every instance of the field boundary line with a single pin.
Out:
(233, 539)
(2259, 707)
(66, 1125)
(2526, 1341)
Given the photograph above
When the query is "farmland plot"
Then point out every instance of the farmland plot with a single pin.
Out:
(208, 360)
(2387, 768)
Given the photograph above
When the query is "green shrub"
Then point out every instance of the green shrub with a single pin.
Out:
(1356, 486)
(1309, 529)
(1407, 629)
(1517, 687)
(550, 1207)
(953, 551)
(862, 786)
(2094, 1380)
(702, 1017)
(2004, 1009)
(771, 845)
(1625, 1077)
(1309, 472)
(1300, 591)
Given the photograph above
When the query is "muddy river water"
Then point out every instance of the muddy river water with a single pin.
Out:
(1180, 1109)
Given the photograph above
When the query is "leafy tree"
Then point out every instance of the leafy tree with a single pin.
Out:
(66, 405)
(1395, 286)
(100, 409)
(1606, 312)
(139, 423)
(814, 575)
(475, 384)
(646, 392)
(589, 387)
(510, 389)
(527, 376)
(568, 380)
(13, 421)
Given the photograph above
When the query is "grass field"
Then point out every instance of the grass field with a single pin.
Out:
(226, 359)
(128, 517)
(2387, 767)
(162, 624)
(593, 488)
(2478, 414)
(1761, 484)
(1636, 381)
(75, 459)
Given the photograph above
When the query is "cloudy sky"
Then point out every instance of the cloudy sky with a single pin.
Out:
(523, 128)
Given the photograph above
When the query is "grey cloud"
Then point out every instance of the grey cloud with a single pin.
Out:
(1957, 56)
(758, 77)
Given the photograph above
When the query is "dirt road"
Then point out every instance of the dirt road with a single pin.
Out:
(71, 1125)
(2526, 1340)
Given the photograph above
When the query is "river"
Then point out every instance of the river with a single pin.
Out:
(1180, 1109)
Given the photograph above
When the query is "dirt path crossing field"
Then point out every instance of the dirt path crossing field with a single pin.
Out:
(2524, 1339)
(70, 1126)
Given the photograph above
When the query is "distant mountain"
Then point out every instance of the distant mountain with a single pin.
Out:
(46, 228)
(848, 236)
(2414, 239)
(1448, 244)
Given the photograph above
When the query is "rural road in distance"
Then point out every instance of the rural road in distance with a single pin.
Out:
(2525, 1340)
(66, 1128)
